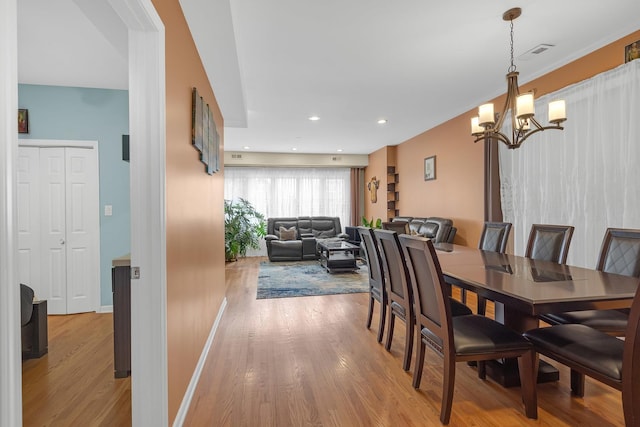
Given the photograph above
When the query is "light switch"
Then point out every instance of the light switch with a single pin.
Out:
(108, 210)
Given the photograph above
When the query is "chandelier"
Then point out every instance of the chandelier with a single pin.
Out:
(523, 122)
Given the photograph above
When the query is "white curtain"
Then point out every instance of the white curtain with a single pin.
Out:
(290, 192)
(588, 175)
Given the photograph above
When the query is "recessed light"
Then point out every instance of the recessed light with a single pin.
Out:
(382, 121)
(314, 118)
(294, 149)
(246, 147)
(339, 150)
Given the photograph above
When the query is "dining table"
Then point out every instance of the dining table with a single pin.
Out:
(524, 288)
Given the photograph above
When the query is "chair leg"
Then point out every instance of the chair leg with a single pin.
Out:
(417, 372)
(383, 316)
(448, 382)
(370, 313)
(482, 305)
(577, 383)
(408, 344)
(527, 366)
(482, 369)
(392, 321)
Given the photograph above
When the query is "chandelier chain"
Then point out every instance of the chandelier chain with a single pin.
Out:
(512, 68)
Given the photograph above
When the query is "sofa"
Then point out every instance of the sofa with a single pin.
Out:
(296, 238)
(439, 230)
(33, 324)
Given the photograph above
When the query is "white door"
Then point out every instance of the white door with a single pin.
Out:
(61, 263)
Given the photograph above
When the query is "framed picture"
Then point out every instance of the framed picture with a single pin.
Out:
(23, 121)
(632, 51)
(196, 120)
(430, 168)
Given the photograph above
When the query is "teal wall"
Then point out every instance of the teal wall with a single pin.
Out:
(101, 115)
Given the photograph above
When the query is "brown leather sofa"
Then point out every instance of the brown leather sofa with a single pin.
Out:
(302, 245)
(439, 230)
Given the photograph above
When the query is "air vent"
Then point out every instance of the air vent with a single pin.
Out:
(336, 158)
(236, 156)
(532, 53)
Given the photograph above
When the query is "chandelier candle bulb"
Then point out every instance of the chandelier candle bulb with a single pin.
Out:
(557, 111)
(524, 106)
(476, 129)
(486, 115)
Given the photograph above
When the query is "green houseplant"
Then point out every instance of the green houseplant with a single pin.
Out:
(244, 226)
(372, 224)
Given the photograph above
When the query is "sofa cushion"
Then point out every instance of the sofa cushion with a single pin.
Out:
(324, 228)
(288, 233)
(429, 229)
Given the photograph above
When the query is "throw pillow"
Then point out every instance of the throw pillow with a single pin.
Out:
(287, 233)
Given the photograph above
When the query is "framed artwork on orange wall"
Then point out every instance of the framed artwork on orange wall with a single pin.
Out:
(430, 168)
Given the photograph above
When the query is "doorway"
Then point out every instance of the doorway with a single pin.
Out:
(58, 223)
(147, 108)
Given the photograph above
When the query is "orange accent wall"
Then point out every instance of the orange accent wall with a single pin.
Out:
(195, 213)
(458, 191)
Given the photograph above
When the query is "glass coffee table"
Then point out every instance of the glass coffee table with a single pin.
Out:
(338, 256)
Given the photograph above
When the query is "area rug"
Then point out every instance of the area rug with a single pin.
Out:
(307, 278)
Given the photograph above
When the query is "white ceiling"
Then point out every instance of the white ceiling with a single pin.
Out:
(273, 64)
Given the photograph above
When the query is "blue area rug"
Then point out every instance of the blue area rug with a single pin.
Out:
(307, 278)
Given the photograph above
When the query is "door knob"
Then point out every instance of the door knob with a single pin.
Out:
(62, 241)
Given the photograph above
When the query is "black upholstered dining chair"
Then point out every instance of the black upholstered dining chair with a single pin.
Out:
(549, 242)
(398, 290)
(377, 291)
(400, 227)
(461, 338)
(619, 254)
(494, 238)
(399, 294)
(600, 356)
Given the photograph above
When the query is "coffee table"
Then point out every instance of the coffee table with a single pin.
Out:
(338, 256)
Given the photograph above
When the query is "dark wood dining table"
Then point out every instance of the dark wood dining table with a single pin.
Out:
(524, 288)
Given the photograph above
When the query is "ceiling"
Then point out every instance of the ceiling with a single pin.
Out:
(274, 64)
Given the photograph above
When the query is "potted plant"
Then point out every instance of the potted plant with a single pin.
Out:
(372, 224)
(243, 228)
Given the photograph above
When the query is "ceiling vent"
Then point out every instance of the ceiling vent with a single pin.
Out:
(236, 156)
(538, 50)
(336, 159)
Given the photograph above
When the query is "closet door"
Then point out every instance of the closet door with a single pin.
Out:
(82, 228)
(28, 219)
(53, 226)
(58, 226)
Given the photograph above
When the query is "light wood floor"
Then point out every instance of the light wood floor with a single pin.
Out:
(310, 361)
(73, 385)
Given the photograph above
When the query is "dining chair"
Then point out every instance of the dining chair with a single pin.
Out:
(549, 242)
(377, 291)
(619, 254)
(399, 294)
(400, 227)
(461, 338)
(598, 355)
(494, 238)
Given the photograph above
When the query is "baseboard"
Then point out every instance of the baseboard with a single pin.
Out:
(188, 395)
(106, 309)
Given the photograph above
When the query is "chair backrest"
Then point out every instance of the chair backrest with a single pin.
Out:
(620, 252)
(372, 253)
(631, 365)
(395, 269)
(400, 227)
(549, 242)
(494, 236)
(432, 310)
